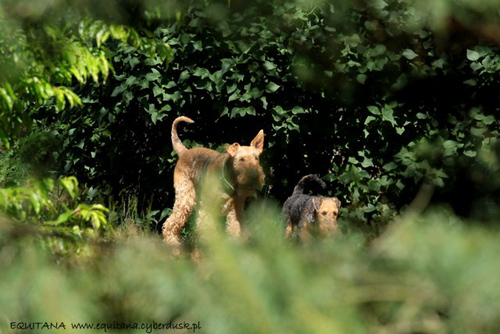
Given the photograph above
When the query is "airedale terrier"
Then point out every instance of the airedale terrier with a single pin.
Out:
(238, 170)
(310, 214)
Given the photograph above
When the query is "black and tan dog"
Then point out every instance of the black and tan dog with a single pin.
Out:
(310, 214)
(238, 170)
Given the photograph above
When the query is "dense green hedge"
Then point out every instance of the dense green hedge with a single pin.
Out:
(379, 97)
(363, 94)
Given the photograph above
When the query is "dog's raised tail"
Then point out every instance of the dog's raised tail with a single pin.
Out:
(179, 147)
(311, 178)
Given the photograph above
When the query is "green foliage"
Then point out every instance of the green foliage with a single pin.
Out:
(415, 278)
(42, 64)
(377, 96)
(52, 210)
(377, 109)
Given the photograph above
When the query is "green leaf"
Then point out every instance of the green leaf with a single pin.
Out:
(361, 78)
(35, 202)
(255, 93)
(263, 99)
(478, 132)
(131, 80)
(201, 72)
(184, 76)
(472, 55)
(369, 208)
(157, 90)
(64, 217)
(374, 110)
(409, 54)
(272, 87)
(170, 84)
(231, 87)
(226, 64)
(367, 162)
(298, 110)
(388, 115)
(488, 120)
(390, 166)
(70, 184)
(450, 144)
(234, 96)
(155, 75)
(154, 117)
(118, 90)
(269, 66)
(369, 119)
(470, 82)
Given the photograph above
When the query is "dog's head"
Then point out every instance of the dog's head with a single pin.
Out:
(245, 165)
(326, 212)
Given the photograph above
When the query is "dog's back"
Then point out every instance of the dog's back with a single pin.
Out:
(296, 204)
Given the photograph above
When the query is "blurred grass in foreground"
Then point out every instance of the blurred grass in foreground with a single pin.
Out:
(432, 274)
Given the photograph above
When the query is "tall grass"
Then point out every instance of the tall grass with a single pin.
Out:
(425, 274)
(428, 274)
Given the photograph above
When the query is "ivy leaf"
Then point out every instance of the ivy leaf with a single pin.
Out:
(184, 76)
(269, 66)
(388, 115)
(157, 91)
(298, 110)
(264, 102)
(409, 54)
(369, 119)
(367, 162)
(369, 208)
(117, 91)
(255, 93)
(226, 64)
(272, 87)
(449, 144)
(361, 78)
(374, 110)
(472, 55)
(201, 72)
(154, 75)
(234, 96)
(390, 166)
(231, 87)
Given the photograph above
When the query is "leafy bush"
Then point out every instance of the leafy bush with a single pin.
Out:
(415, 278)
(373, 96)
(51, 210)
(375, 108)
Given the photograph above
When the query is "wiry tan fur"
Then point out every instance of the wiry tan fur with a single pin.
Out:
(238, 169)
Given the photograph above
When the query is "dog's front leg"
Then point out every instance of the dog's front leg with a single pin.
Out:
(234, 216)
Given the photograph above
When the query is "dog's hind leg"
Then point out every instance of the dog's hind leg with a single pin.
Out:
(289, 230)
(185, 200)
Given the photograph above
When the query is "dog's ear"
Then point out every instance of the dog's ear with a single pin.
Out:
(258, 141)
(317, 202)
(232, 149)
(338, 203)
(313, 208)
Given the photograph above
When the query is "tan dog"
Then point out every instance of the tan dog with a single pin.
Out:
(238, 170)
